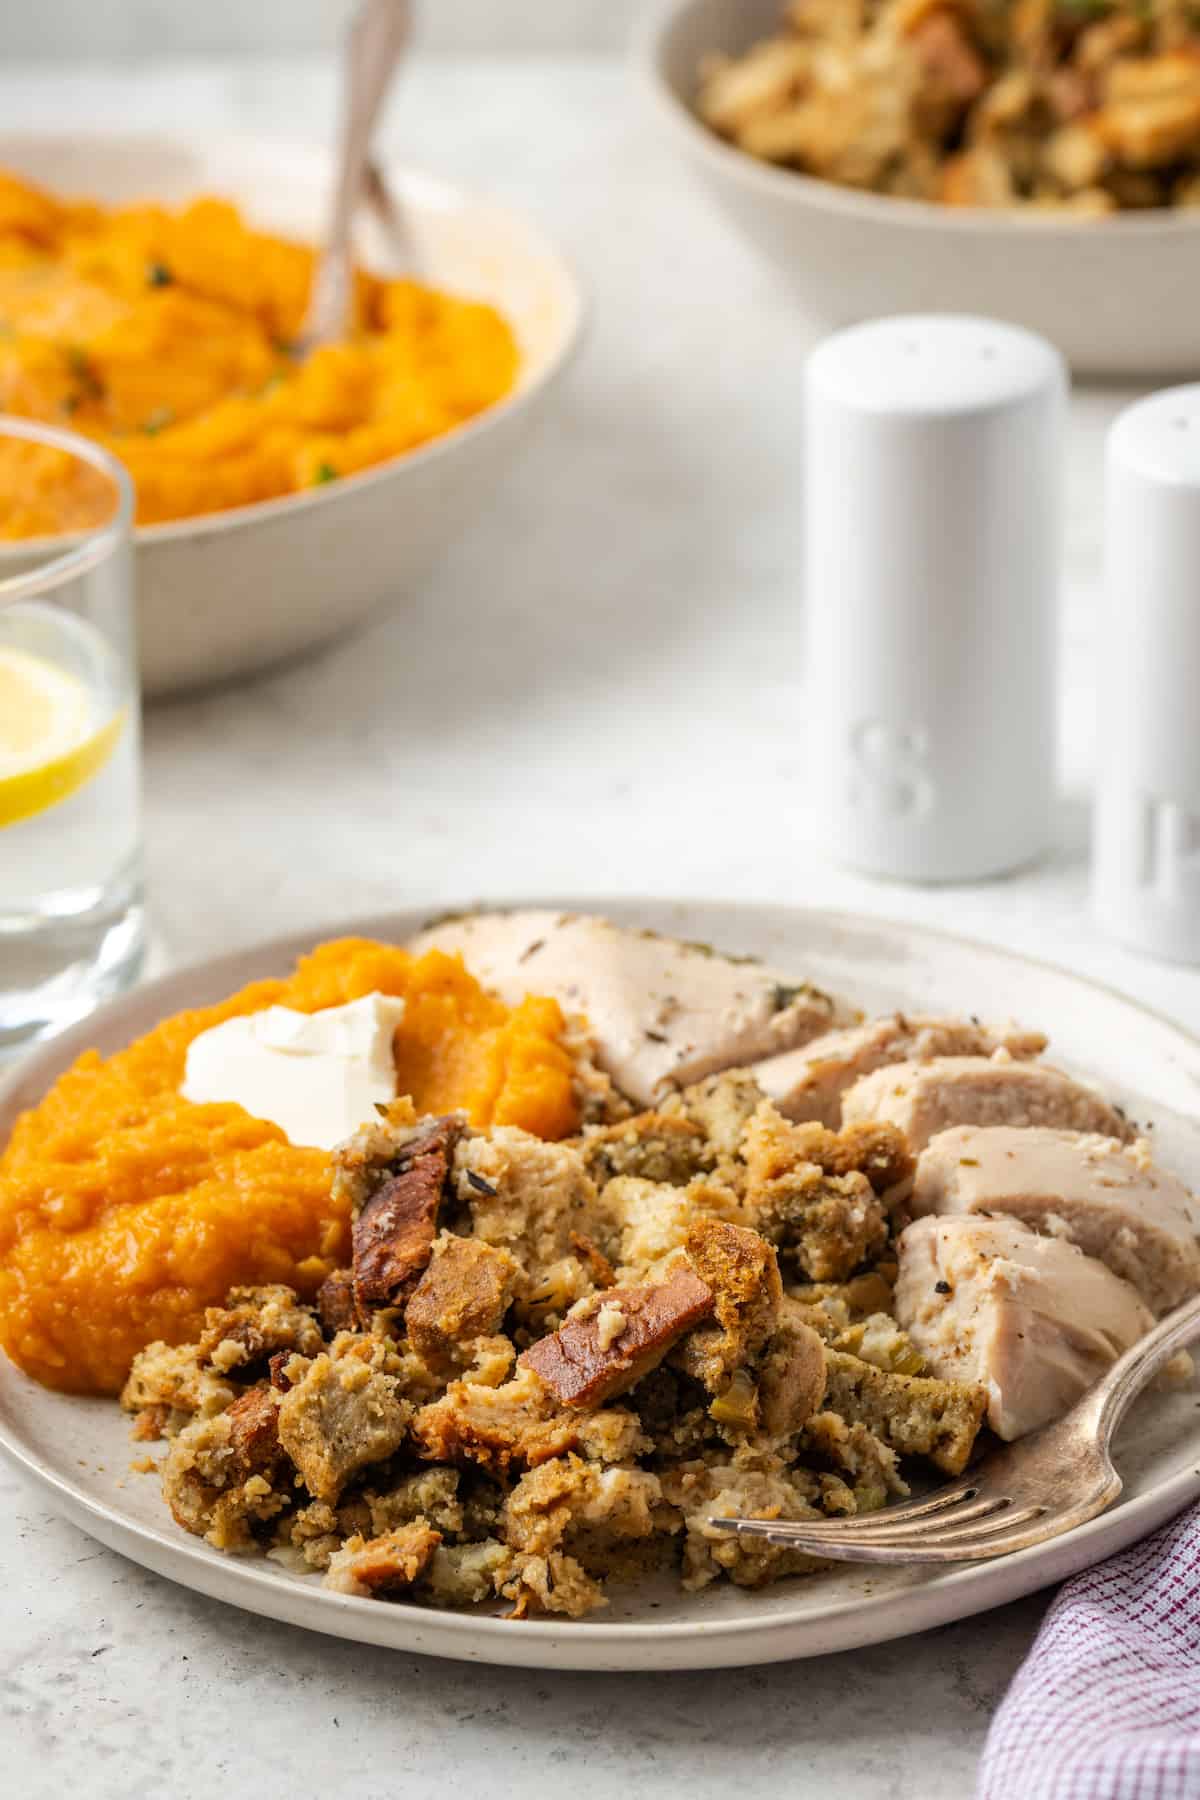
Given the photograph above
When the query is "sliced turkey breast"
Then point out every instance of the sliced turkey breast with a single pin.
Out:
(1108, 1198)
(923, 1098)
(663, 1013)
(1032, 1318)
(809, 1083)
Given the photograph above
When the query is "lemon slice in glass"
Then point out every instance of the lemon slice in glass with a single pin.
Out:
(49, 744)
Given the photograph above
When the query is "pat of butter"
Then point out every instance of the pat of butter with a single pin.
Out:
(318, 1076)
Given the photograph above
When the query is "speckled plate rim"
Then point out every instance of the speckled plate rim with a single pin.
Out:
(698, 1643)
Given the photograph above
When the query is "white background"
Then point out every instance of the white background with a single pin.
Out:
(77, 29)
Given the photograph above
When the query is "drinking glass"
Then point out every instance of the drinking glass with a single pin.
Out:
(71, 919)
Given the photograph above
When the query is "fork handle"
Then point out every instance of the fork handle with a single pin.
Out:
(1109, 1400)
(377, 35)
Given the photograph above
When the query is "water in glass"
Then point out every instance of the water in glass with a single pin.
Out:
(71, 925)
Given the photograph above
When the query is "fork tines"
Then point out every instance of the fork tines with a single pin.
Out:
(959, 1524)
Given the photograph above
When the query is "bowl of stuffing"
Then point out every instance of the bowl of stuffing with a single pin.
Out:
(152, 294)
(1036, 161)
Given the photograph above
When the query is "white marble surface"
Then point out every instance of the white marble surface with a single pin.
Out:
(75, 30)
(598, 690)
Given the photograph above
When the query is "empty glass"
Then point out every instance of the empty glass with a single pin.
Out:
(71, 922)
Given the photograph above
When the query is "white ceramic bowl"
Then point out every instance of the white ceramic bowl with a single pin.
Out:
(1116, 295)
(234, 592)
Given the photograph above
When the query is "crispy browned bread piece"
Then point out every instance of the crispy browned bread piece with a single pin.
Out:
(383, 1565)
(871, 1148)
(915, 1415)
(593, 1259)
(462, 1296)
(742, 1272)
(519, 1425)
(219, 1475)
(341, 1414)
(254, 1431)
(616, 1337)
(253, 1323)
(335, 1303)
(393, 1235)
(550, 1584)
(473, 1424)
(808, 1193)
(581, 1506)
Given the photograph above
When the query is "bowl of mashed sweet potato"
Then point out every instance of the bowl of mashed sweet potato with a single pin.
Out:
(152, 293)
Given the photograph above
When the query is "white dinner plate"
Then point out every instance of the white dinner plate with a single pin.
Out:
(78, 1451)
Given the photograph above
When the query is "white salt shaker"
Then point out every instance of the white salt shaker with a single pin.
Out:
(1147, 826)
(933, 467)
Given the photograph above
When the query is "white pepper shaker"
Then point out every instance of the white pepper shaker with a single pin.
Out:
(1146, 871)
(933, 471)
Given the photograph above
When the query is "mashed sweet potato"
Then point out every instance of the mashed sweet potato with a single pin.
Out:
(125, 1210)
(167, 337)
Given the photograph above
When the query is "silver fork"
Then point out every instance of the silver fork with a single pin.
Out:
(1043, 1485)
(378, 34)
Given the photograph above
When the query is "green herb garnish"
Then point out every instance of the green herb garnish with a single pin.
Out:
(325, 472)
(158, 274)
(90, 385)
(786, 993)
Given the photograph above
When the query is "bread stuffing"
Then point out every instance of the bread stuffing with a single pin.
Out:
(537, 1376)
